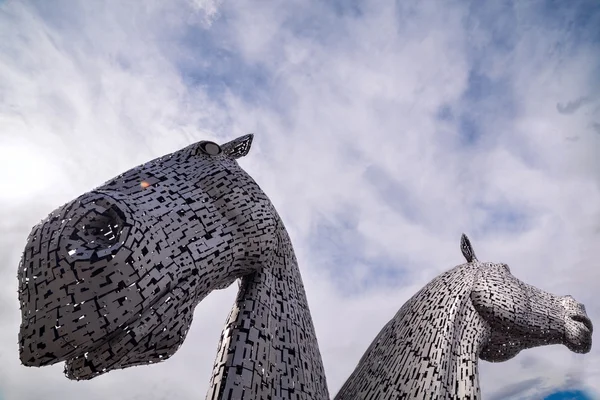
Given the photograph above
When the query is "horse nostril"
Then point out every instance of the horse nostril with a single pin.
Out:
(584, 320)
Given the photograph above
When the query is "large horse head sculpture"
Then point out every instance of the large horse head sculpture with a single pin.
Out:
(430, 349)
(111, 279)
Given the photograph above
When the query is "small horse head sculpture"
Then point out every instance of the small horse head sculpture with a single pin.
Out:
(111, 279)
(430, 349)
(521, 316)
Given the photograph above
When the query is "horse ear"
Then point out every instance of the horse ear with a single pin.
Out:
(238, 147)
(467, 249)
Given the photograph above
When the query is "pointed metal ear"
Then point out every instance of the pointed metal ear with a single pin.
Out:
(238, 147)
(467, 249)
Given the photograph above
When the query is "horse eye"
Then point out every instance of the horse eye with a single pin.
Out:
(210, 148)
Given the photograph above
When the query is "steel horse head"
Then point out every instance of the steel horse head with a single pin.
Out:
(111, 279)
(430, 349)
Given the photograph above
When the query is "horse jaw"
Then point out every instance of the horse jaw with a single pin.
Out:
(499, 348)
(153, 337)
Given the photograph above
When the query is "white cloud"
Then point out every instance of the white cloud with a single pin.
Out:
(88, 91)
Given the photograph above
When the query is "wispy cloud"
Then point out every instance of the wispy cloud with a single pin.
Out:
(383, 131)
(572, 106)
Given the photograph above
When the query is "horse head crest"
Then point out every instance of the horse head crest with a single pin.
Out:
(467, 249)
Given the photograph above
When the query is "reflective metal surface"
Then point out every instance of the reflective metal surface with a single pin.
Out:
(111, 279)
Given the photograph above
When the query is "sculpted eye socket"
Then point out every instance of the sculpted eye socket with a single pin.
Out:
(210, 148)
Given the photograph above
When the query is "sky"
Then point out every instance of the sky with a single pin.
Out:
(383, 130)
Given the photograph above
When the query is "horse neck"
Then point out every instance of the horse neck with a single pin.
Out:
(428, 350)
(268, 348)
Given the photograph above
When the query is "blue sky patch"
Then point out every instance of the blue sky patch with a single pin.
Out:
(502, 218)
(569, 395)
(339, 247)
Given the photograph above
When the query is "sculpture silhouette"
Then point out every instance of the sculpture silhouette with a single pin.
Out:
(111, 279)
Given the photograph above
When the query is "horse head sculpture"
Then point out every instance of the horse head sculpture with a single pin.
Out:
(111, 279)
(430, 349)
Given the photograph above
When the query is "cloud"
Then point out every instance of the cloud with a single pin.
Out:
(515, 389)
(383, 131)
(572, 106)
